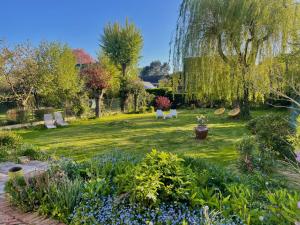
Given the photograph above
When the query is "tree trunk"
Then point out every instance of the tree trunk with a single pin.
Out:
(123, 93)
(36, 99)
(244, 103)
(98, 99)
(135, 98)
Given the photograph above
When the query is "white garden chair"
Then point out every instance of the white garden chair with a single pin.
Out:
(173, 113)
(160, 114)
(59, 119)
(49, 121)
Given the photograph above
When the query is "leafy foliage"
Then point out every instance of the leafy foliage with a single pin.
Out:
(60, 80)
(233, 36)
(97, 81)
(122, 44)
(162, 188)
(163, 103)
(82, 58)
(155, 72)
(247, 146)
(160, 177)
(12, 147)
(273, 134)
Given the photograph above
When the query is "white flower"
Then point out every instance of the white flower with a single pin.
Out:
(267, 183)
(261, 218)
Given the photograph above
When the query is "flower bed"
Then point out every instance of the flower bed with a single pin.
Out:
(161, 188)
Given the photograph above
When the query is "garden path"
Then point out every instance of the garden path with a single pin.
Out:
(9, 215)
(12, 216)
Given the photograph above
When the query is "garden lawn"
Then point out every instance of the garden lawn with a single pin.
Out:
(139, 133)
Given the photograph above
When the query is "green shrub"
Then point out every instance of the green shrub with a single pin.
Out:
(10, 144)
(19, 194)
(39, 113)
(110, 165)
(69, 167)
(251, 158)
(282, 207)
(210, 175)
(32, 152)
(61, 199)
(242, 202)
(79, 106)
(246, 147)
(160, 177)
(151, 109)
(158, 91)
(8, 138)
(12, 147)
(143, 109)
(273, 134)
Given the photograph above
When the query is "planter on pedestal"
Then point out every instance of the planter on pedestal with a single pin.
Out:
(201, 132)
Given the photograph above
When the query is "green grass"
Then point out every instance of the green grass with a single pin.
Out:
(139, 133)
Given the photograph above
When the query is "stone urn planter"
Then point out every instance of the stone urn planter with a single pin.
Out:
(201, 132)
(15, 172)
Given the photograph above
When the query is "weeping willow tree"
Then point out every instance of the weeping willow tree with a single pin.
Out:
(230, 38)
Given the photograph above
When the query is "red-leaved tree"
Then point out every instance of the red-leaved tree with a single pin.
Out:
(163, 103)
(97, 81)
(82, 57)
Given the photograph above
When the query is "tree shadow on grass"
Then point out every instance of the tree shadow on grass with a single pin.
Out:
(138, 135)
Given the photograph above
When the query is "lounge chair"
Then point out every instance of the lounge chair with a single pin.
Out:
(160, 114)
(173, 113)
(219, 111)
(49, 121)
(59, 120)
(234, 113)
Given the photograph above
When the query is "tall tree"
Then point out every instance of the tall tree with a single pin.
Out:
(110, 67)
(60, 80)
(241, 33)
(135, 87)
(18, 73)
(97, 80)
(123, 46)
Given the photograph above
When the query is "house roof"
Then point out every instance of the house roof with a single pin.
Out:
(148, 85)
(82, 57)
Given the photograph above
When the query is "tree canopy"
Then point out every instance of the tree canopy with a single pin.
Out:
(60, 81)
(44, 75)
(122, 44)
(234, 36)
(155, 71)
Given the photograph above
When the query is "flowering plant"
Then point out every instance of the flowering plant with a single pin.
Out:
(202, 120)
(163, 103)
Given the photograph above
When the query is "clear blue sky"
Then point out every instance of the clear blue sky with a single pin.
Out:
(80, 22)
